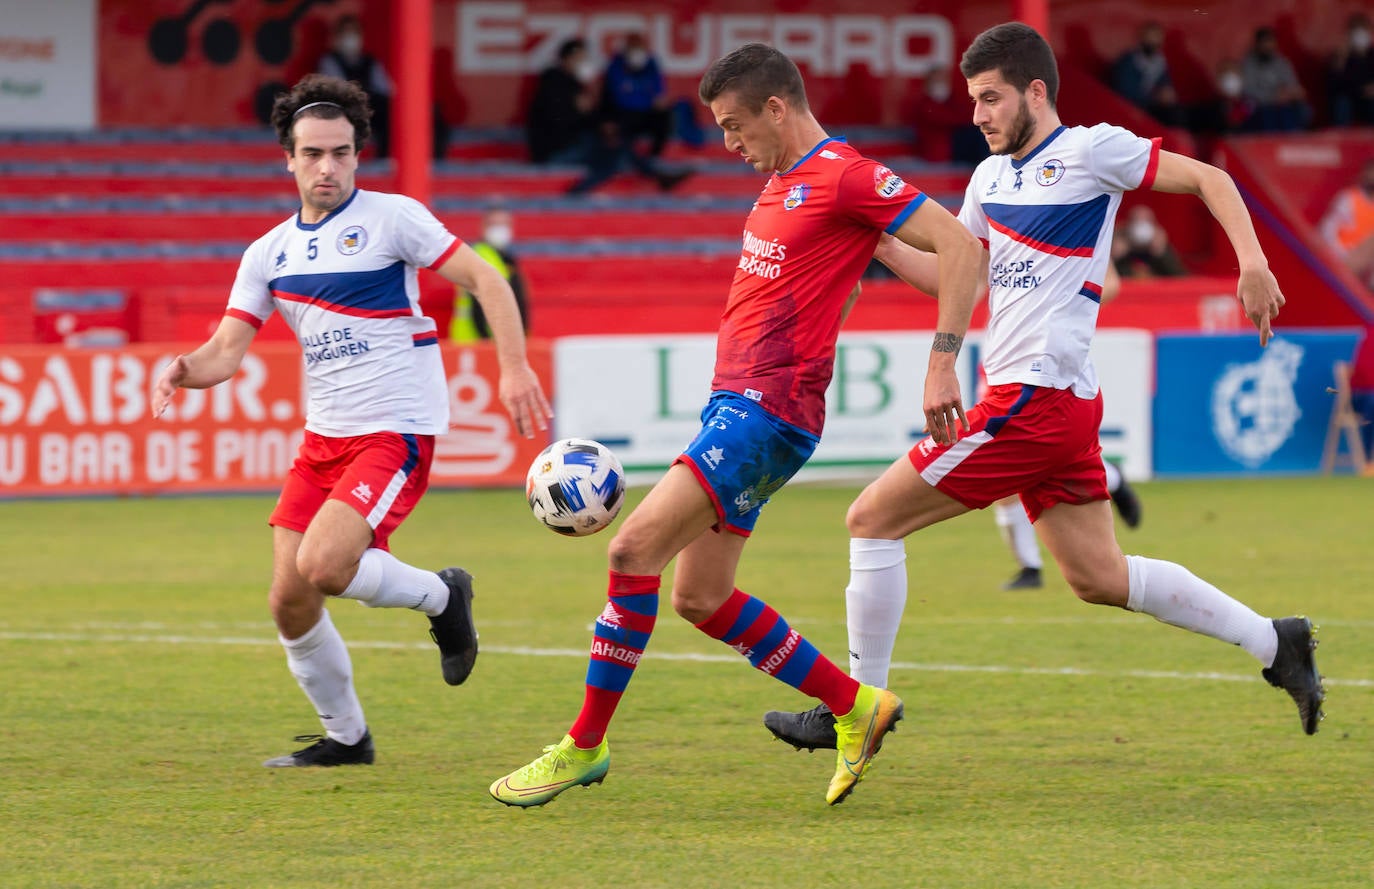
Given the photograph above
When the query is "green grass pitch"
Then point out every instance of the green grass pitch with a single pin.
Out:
(1047, 743)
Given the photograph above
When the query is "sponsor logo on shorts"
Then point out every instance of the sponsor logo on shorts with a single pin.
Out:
(363, 492)
(926, 446)
(713, 457)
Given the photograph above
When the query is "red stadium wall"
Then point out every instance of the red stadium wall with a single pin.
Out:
(861, 57)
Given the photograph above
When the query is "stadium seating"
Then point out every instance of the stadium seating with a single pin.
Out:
(137, 234)
(161, 219)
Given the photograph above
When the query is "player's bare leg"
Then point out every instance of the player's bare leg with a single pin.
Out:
(1083, 541)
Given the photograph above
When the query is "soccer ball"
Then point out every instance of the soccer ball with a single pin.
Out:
(575, 486)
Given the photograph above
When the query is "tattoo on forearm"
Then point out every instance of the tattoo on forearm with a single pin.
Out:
(947, 342)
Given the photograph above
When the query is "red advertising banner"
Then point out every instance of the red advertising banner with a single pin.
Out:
(78, 422)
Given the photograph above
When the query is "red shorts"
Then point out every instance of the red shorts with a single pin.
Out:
(381, 475)
(1029, 440)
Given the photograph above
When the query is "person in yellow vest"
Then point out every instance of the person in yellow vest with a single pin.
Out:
(498, 231)
(1349, 225)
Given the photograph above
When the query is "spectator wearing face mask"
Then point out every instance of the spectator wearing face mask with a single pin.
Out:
(634, 108)
(1270, 83)
(1350, 77)
(498, 234)
(560, 119)
(634, 95)
(1141, 74)
(1227, 111)
(347, 59)
(1141, 248)
(1348, 226)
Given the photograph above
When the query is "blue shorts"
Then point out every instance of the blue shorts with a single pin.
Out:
(742, 456)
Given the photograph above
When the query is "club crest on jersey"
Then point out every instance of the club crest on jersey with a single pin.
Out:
(352, 240)
(796, 196)
(1049, 172)
(887, 183)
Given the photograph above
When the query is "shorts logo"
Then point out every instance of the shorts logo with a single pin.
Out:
(926, 446)
(753, 395)
(887, 183)
(363, 492)
(796, 196)
(352, 240)
(1049, 172)
(713, 457)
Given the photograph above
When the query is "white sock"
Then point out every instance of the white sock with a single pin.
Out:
(384, 581)
(319, 661)
(1174, 595)
(1113, 475)
(874, 601)
(1019, 533)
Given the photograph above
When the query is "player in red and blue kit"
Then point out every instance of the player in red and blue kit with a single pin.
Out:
(808, 238)
(1043, 205)
(342, 272)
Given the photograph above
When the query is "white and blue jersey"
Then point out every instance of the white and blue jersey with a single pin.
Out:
(348, 289)
(1047, 222)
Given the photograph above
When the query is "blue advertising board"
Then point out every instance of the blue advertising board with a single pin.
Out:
(1224, 405)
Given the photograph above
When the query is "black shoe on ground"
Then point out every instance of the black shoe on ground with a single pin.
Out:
(453, 630)
(811, 729)
(1025, 579)
(1295, 670)
(1127, 504)
(327, 752)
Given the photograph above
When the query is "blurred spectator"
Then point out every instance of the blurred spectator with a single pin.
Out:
(1141, 248)
(498, 236)
(634, 106)
(633, 95)
(1362, 388)
(1349, 225)
(560, 119)
(944, 124)
(1270, 82)
(1141, 74)
(347, 59)
(1228, 110)
(1350, 79)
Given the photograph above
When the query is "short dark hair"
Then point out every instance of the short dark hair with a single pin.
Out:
(570, 47)
(1018, 53)
(754, 72)
(329, 98)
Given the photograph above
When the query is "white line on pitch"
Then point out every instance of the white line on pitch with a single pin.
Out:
(149, 638)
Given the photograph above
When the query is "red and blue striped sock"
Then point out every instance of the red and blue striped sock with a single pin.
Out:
(759, 633)
(621, 634)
